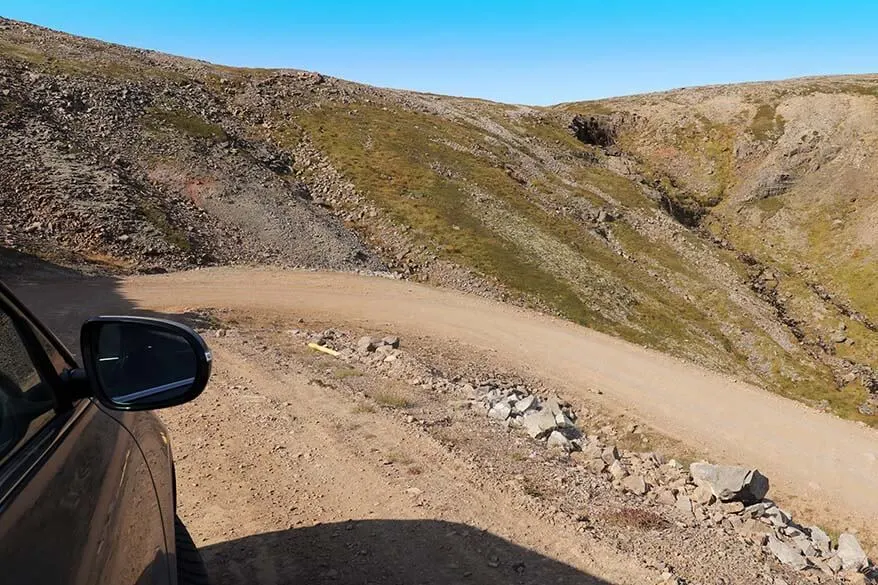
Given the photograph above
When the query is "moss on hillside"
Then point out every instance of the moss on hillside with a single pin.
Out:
(185, 122)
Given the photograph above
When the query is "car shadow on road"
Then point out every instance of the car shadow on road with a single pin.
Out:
(62, 299)
(384, 552)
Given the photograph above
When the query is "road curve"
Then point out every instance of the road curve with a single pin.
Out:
(817, 462)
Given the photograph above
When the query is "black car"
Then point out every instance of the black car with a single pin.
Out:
(87, 486)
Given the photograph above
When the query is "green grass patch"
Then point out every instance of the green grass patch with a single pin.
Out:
(159, 219)
(767, 124)
(186, 123)
(587, 108)
(769, 205)
(626, 191)
(345, 372)
(21, 53)
(551, 132)
(392, 399)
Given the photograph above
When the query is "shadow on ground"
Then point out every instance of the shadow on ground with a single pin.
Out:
(384, 552)
(62, 299)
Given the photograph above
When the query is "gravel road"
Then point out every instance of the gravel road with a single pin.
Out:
(819, 464)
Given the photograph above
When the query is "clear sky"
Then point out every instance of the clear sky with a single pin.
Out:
(523, 52)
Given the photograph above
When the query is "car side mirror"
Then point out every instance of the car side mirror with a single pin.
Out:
(140, 363)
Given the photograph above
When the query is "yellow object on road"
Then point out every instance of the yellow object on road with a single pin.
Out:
(324, 349)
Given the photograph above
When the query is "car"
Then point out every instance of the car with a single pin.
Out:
(87, 480)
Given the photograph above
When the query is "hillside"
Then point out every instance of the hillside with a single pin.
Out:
(732, 226)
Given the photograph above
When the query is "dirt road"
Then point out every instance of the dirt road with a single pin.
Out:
(291, 482)
(823, 466)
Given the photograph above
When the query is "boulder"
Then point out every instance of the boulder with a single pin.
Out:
(756, 510)
(538, 423)
(553, 406)
(732, 507)
(634, 484)
(703, 495)
(617, 471)
(786, 554)
(500, 411)
(596, 466)
(775, 516)
(666, 497)
(804, 545)
(391, 340)
(556, 439)
(527, 403)
(591, 451)
(834, 563)
(562, 420)
(821, 540)
(731, 483)
(819, 564)
(366, 345)
(609, 455)
(852, 555)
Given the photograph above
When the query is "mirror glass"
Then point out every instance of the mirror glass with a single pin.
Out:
(140, 363)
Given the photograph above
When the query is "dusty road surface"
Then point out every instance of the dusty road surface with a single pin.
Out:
(821, 466)
(292, 482)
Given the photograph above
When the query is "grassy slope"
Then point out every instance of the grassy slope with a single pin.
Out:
(809, 234)
(448, 180)
(401, 160)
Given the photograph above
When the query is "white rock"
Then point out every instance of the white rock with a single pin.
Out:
(821, 540)
(834, 563)
(553, 406)
(562, 420)
(527, 403)
(556, 439)
(538, 423)
(500, 411)
(729, 482)
(852, 556)
(786, 554)
(777, 517)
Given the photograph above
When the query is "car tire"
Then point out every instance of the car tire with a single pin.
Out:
(190, 566)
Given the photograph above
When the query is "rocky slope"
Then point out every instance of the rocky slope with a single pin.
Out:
(731, 226)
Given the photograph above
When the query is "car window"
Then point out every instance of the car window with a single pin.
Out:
(26, 399)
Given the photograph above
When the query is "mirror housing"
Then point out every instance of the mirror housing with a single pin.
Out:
(141, 363)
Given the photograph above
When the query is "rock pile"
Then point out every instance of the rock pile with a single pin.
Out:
(552, 420)
(706, 495)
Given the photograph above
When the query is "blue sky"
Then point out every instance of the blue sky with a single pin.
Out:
(523, 52)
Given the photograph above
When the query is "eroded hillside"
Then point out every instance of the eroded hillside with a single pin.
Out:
(729, 226)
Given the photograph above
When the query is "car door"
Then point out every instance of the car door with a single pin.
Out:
(77, 502)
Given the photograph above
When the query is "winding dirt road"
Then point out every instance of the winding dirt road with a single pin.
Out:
(821, 465)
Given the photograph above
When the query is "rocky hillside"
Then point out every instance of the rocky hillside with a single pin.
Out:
(732, 226)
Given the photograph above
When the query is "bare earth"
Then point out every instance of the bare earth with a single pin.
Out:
(350, 500)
